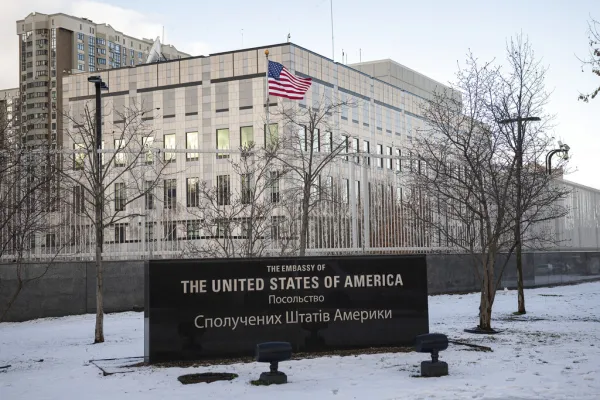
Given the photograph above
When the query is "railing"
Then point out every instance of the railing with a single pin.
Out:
(198, 210)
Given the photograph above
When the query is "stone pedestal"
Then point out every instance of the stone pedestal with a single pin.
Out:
(430, 369)
(273, 378)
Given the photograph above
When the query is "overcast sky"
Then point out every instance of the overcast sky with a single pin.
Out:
(428, 36)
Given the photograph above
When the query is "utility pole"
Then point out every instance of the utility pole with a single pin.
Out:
(98, 208)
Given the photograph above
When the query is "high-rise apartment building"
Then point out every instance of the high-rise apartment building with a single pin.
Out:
(9, 115)
(53, 46)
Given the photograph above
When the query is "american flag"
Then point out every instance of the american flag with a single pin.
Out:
(283, 83)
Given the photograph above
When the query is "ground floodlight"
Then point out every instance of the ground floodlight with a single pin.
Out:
(432, 343)
(274, 353)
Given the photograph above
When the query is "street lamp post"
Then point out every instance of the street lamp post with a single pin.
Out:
(518, 234)
(563, 148)
(99, 85)
(98, 205)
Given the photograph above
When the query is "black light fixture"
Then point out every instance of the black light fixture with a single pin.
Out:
(274, 353)
(562, 148)
(521, 119)
(432, 343)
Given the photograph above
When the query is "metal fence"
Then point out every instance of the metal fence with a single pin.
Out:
(204, 204)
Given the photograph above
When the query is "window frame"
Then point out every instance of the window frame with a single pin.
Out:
(228, 146)
(191, 156)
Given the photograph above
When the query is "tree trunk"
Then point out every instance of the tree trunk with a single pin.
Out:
(485, 312)
(304, 218)
(99, 331)
(488, 292)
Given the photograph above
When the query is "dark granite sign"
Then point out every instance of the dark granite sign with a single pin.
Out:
(209, 308)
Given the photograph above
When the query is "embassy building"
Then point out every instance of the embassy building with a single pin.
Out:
(199, 106)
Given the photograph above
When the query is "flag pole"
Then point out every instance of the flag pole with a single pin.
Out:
(268, 129)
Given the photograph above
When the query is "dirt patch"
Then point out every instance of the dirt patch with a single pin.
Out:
(207, 377)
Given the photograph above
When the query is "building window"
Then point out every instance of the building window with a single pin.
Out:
(169, 143)
(170, 193)
(101, 61)
(223, 190)
(120, 198)
(246, 137)
(149, 195)
(79, 156)
(274, 185)
(193, 230)
(120, 230)
(398, 160)
(366, 105)
(345, 190)
(302, 138)
(78, 199)
(388, 120)
(191, 143)
(80, 47)
(80, 67)
(120, 157)
(101, 51)
(345, 145)
(50, 240)
(271, 135)
(91, 60)
(389, 159)
(344, 107)
(91, 40)
(147, 142)
(247, 188)
(316, 141)
(355, 145)
(170, 230)
(192, 192)
(379, 153)
(328, 142)
(80, 36)
(92, 68)
(222, 142)
(81, 57)
(367, 150)
(101, 42)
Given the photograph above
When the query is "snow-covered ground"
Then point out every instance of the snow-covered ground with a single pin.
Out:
(552, 353)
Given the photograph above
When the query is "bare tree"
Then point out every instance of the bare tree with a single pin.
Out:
(593, 58)
(129, 172)
(463, 176)
(28, 199)
(522, 98)
(234, 214)
(308, 146)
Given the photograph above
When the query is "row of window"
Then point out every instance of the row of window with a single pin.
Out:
(223, 140)
(29, 54)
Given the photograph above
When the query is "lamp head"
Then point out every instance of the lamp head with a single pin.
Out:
(95, 79)
(103, 86)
